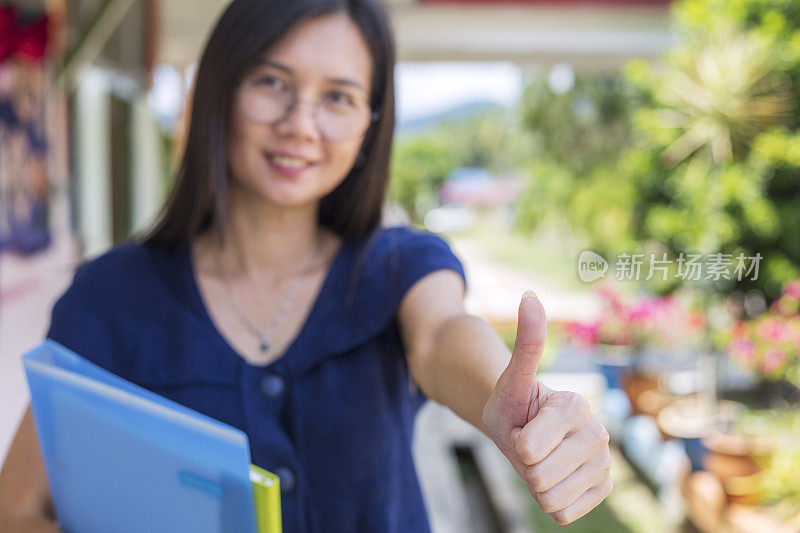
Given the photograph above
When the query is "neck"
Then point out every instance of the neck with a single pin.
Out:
(263, 241)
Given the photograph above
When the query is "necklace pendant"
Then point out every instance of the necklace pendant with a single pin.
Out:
(264, 345)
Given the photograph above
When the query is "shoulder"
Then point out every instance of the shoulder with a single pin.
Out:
(404, 247)
(395, 258)
(110, 299)
(126, 256)
(126, 269)
(403, 237)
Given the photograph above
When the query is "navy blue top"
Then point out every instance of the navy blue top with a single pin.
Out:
(333, 416)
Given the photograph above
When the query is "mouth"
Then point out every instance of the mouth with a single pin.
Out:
(288, 165)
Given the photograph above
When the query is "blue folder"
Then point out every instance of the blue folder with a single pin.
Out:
(122, 459)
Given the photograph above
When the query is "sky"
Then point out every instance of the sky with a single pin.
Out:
(429, 88)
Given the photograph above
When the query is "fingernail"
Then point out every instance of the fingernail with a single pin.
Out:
(529, 294)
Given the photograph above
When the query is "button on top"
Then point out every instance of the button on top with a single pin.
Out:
(288, 481)
(272, 386)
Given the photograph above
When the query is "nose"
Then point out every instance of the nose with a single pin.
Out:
(299, 123)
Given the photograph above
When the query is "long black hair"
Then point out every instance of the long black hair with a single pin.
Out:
(246, 29)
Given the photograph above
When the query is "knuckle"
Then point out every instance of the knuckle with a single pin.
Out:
(527, 346)
(523, 450)
(561, 517)
(528, 452)
(599, 434)
(577, 404)
(536, 478)
(548, 501)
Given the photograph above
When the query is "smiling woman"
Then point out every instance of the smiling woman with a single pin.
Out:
(268, 296)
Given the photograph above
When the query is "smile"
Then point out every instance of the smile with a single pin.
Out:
(288, 164)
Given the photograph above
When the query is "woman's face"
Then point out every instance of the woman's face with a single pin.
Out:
(292, 163)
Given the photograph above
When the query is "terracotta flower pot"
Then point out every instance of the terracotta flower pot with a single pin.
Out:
(744, 490)
(635, 384)
(729, 455)
(651, 402)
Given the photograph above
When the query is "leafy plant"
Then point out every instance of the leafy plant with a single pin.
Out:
(699, 153)
(773, 438)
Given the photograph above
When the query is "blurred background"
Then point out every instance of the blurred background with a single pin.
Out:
(635, 162)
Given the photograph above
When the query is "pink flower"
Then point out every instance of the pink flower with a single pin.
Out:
(773, 329)
(611, 294)
(792, 289)
(743, 349)
(772, 361)
(585, 334)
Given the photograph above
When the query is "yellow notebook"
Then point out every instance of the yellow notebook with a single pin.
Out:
(267, 497)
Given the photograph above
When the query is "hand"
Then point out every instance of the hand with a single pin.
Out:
(551, 437)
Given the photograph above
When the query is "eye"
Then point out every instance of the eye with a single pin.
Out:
(340, 99)
(269, 81)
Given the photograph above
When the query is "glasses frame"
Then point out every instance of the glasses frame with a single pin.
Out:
(295, 101)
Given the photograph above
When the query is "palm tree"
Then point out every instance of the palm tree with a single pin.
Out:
(719, 93)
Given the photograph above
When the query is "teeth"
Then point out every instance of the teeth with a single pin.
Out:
(289, 161)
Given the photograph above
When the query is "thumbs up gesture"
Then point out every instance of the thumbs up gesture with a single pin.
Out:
(551, 437)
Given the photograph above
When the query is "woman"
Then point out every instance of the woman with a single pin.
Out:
(268, 297)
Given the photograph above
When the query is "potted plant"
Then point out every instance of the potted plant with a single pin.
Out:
(771, 438)
(627, 328)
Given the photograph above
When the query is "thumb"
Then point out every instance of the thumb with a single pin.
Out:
(529, 344)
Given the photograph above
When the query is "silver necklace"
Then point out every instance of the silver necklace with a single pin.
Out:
(264, 334)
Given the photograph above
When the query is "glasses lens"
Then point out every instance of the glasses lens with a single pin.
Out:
(342, 121)
(265, 103)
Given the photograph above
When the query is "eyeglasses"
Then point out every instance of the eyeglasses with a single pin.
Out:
(341, 114)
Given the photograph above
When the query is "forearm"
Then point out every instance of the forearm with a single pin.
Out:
(462, 365)
(28, 524)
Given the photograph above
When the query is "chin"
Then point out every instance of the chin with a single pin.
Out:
(289, 199)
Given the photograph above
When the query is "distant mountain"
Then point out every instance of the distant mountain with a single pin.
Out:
(457, 113)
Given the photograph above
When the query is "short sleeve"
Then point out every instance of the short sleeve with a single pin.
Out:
(413, 254)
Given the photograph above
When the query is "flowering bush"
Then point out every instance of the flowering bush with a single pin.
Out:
(770, 343)
(656, 321)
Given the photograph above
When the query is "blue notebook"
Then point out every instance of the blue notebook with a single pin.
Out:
(122, 459)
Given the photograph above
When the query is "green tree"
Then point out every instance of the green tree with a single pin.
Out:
(571, 176)
(419, 166)
(495, 140)
(717, 134)
(699, 153)
(491, 139)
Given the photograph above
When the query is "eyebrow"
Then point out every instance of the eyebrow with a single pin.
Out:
(340, 81)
